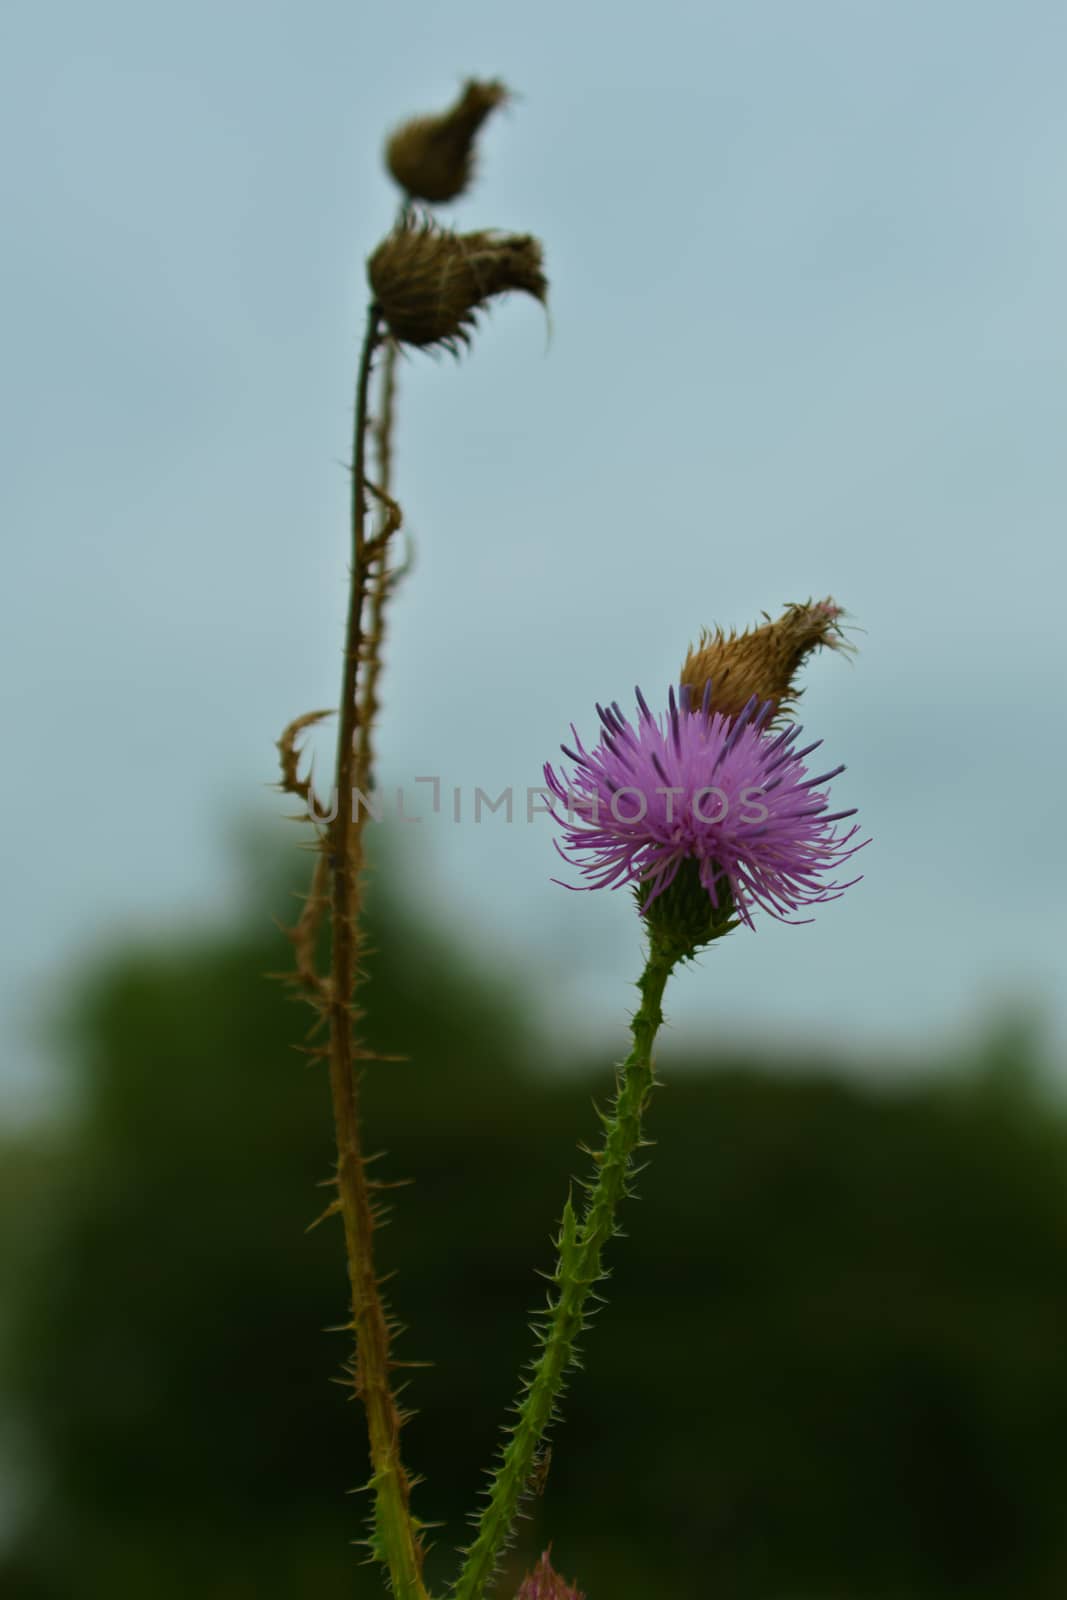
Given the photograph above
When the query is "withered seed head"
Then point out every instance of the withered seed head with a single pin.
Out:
(430, 283)
(432, 158)
(761, 661)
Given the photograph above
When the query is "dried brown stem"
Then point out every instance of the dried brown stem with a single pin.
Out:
(304, 934)
(382, 578)
(395, 1531)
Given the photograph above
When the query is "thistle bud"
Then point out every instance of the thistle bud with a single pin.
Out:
(761, 661)
(684, 919)
(432, 158)
(544, 1583)
(430, 284)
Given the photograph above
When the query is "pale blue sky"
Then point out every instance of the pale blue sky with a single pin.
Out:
(808, 336)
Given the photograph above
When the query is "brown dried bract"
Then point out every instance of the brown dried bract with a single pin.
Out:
(761, 661)
(432, 158)
(430, 284)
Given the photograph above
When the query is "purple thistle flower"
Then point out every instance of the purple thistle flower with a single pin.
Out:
(544, 1583)
(719, 791)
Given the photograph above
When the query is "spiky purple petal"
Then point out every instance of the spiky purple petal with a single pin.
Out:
(769, 833)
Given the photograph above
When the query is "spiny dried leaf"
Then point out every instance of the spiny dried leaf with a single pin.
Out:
(289, 755)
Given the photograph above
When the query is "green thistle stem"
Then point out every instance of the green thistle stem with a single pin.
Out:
(578, 1268)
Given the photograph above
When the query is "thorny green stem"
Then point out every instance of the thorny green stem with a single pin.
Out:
(395, 1530)
(577, 1270)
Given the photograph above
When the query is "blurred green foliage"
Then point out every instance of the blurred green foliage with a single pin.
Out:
(834, 1366)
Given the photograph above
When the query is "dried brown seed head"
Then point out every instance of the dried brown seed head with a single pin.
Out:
(761, 661)
(432, 158)
(430, 283)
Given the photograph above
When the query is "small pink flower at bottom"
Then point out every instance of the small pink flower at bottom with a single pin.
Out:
(544, 1583)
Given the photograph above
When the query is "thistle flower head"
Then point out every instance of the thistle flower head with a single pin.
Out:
(432, 158)
(762, 661)
(430, 283)
(700, 804)
(544, 1583)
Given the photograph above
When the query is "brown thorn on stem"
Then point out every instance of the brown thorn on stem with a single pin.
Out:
(331, 1211)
